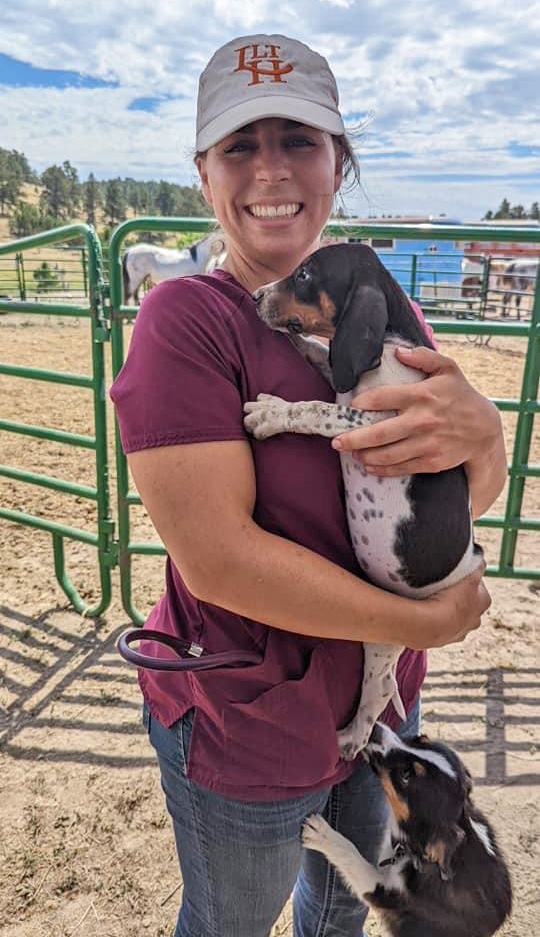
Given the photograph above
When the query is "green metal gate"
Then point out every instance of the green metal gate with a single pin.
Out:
(108, 313)
(99, 331)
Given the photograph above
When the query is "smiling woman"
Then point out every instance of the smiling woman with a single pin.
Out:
(259, 553)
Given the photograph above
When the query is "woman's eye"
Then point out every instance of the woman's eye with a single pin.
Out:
(241, 146)
(299, 141)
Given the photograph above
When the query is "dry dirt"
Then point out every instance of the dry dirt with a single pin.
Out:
(86, 847)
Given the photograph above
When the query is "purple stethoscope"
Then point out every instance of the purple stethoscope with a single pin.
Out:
(191, 656)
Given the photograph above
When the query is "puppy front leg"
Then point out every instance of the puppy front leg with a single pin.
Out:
(270, 415)
(357, 873)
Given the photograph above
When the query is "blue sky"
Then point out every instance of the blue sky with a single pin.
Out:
(452, 90)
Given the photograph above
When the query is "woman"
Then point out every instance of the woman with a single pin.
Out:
(258, 551)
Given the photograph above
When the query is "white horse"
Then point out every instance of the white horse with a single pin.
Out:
(150, 262)
(519, 277)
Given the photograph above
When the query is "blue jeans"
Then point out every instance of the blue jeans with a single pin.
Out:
(240, 860)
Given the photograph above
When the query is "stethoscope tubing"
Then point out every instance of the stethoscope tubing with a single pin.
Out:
(191, 656)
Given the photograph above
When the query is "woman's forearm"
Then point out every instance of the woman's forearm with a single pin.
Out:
(205, 520)
(284, 585)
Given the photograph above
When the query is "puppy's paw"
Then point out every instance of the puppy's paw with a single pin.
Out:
(266, 416)
(316, 833)
(353, 739)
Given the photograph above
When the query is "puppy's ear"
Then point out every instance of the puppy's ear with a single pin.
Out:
(358, 343)
(442, 848)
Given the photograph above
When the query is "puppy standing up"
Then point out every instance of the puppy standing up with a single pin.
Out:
(440, 873)
(412, 535)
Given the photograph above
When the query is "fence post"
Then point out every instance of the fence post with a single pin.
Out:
(20, 275)
(84, 270)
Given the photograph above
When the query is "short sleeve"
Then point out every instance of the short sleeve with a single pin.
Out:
(180, 382)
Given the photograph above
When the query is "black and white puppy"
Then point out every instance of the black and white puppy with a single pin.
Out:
(440, 872)
(412, 535)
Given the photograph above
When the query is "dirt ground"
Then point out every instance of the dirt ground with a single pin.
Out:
(86, 846)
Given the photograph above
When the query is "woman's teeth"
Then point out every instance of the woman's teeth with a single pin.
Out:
(272, 211)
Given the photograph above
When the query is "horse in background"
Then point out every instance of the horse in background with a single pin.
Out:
(152, 263)
(518, 277)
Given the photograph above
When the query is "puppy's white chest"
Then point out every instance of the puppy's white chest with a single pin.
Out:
(377, 506)
(375, 509)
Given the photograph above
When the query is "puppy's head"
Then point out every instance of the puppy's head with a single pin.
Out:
(428, 789)
(343, 293)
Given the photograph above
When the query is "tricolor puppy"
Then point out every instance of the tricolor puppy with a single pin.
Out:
(412, 535)
(440, 872)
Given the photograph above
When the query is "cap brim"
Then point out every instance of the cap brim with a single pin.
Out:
(306, 112)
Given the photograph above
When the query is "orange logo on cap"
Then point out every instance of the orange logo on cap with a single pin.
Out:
(253, 64)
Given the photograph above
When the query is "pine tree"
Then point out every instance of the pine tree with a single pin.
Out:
(55, 198)
(503, 210)
(91, 199)
(74, 186)
(115, 201)
(11, 180)
(25, 220)
(165, 200)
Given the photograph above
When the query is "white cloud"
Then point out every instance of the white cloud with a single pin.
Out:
(454, 88)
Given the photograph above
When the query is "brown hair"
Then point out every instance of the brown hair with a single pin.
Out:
(350, 161)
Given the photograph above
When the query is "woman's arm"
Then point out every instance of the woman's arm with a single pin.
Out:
(201, 498)
(442, 422)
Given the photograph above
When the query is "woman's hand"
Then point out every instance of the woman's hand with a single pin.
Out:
(452, 613)
(441, 421)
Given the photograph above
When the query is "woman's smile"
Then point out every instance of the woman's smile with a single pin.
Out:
(282, 209)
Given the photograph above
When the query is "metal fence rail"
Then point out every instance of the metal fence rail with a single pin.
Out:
(108, 312)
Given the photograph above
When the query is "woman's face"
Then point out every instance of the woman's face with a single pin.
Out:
(271, 185)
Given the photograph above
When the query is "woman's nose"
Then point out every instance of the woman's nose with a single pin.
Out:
(272, 165)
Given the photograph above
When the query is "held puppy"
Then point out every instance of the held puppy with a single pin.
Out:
(440, 872)
(412, 535)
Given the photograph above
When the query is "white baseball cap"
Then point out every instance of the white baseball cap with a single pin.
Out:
(265, 76)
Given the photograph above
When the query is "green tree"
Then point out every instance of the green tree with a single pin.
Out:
(55, 199)
(92, 199)
(28, 219)
(11, 180)
(517, 211)
(503, 210)
(115, 201)
(133, 195)
(191, 203)
(48, 279)
(20, 160)
(145, 200)
(73, 186)
(534, 212)
(165, 199)
(24, 220)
